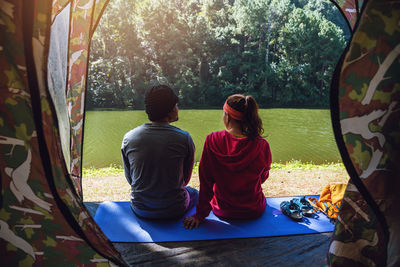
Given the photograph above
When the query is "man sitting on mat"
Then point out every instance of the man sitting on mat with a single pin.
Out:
(158, 160)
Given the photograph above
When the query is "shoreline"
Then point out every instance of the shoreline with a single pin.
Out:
(286, 179)
(116, 170)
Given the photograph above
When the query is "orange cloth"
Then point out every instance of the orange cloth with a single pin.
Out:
(330, 200)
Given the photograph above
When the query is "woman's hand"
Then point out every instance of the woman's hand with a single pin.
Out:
(191, 222)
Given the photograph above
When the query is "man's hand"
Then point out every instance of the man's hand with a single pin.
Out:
(191, 222)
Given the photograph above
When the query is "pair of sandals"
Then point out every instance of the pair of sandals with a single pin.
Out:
(296, 208)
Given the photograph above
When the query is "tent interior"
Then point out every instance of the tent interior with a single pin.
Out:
(44, 54)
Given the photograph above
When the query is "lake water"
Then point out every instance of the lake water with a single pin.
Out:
(294, 134)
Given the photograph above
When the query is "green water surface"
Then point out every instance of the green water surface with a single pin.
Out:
(294, 134)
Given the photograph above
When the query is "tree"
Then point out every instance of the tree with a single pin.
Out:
(209, 49)
(310, 46)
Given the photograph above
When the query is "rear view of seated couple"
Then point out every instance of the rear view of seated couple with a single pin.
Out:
(158, 159)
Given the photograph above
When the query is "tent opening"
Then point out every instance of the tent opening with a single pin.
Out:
(206, 51)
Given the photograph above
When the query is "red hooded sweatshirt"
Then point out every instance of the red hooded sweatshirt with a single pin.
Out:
(231, 172)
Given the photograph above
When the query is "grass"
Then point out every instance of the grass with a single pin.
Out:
(293, 178)
(117, 170)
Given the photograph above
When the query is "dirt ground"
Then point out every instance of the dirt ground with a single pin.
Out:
(280, 183)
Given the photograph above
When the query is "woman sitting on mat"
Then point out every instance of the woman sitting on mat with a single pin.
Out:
(234, 164)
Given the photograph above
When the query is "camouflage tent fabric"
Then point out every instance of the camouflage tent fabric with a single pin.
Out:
(42, 218)
(350, 10)
(84, 18)
(366, 116)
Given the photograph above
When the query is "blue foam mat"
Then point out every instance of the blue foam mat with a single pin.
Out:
(120, 224)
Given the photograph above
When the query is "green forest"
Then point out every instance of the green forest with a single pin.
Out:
(283, 52)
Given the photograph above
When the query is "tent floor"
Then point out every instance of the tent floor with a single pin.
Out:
(297, 250)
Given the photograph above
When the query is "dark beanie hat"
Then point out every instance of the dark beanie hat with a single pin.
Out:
(159, 101)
